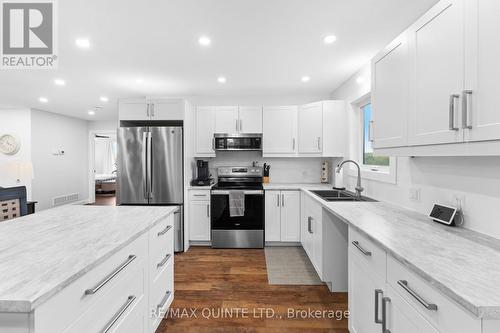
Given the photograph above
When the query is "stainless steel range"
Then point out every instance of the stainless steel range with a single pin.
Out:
(237, 208)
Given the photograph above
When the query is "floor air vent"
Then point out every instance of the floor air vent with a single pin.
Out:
(65, 199)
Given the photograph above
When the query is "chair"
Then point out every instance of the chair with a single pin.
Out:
(13, 202)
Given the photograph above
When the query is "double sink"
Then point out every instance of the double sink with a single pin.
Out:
(340, 195)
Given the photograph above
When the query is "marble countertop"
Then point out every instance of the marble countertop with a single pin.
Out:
(42, 253)
(462, 264)
(297, 186)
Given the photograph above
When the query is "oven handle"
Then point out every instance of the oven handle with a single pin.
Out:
(246, 192)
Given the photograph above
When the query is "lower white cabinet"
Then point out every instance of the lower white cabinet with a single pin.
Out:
(312, 232)
(199, 215)
(282, 216)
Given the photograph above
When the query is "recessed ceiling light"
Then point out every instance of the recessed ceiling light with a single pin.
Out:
(306, 79)
(104, 99)
(330, 39)
(360, 80)
(43, 99)
(82, 43)
(204, 41)
(60, 82)
(91, 112)
(139, 81)
(221, 79)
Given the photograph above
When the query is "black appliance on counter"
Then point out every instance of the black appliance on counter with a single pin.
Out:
(202, 174)
(245, 231)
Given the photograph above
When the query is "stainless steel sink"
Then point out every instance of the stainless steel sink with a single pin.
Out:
(336, 195)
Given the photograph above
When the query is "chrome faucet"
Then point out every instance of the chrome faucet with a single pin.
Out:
(359, 188)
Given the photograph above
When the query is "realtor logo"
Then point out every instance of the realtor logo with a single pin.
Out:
(28, 34)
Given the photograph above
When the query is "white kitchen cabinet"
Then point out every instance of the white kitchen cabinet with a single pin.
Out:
(166, 109)
(133, 109)
(310, 126)
(199, 220)
(437, 53)
(279, 130)
(226, 119)
(390, 95)
(312, 232)
(273, 216)
(334, 136)
(282, 216)
(151, 109)
(250, 119)
(481, 118)
(204, 131)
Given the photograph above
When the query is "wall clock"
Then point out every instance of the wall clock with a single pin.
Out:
(9, 144)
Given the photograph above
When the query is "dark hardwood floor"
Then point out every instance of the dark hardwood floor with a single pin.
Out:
(208, 280)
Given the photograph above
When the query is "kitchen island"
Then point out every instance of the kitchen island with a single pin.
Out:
(60, 266)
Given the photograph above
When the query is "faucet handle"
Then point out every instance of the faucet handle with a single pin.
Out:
(339, 188)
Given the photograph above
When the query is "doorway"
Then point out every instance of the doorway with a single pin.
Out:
(102, 175)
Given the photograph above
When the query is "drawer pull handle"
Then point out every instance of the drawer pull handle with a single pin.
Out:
(164, 261)
(429, 306)
(385, 301)
(120, 312)
(163, 301)
(366, 253)
(110, 276)
(377, 293)
(164, 231)
(199, 195)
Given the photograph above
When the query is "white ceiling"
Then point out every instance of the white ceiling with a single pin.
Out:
(262, 47)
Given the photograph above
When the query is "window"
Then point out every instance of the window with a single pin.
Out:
(368, 158)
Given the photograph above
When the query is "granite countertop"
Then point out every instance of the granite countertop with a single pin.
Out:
(42, 253)
(462, 264)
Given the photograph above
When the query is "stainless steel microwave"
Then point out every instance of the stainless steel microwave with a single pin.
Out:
(238, 141)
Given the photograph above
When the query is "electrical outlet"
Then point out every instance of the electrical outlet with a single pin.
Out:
(415, 194)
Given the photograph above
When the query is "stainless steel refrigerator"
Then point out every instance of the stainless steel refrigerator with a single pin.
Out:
(150, 171)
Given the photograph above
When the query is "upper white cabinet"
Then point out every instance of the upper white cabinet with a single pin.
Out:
(310, 127)
(226, 119)
(481, 116)
(453, 65)
(234, 119)
(280, 130)
(204, 131)
(390, 95)
(151, 109)
(437, 48)
(250, 118)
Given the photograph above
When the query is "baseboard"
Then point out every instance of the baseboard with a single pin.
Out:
(283, 244)
(200, 243)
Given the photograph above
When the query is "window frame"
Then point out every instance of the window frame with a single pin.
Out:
(386, 174)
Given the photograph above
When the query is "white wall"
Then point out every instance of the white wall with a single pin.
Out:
(255, 100)
(15, 122)
(103, 125)
(58, 175)
(476, 179)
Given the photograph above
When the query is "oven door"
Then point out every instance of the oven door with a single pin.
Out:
(253, 218)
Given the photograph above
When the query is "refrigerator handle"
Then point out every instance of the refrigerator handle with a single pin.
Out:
(145, 161)
(150, 166)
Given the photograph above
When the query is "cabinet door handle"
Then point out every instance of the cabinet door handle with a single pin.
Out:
(213, 143)
(309, 224)
(111, 275)
(366, 253)
(208, 210)
(453, 97)
(241, 125)
(377, 293)
(163, 301)
(164, 231)
(319, 143)
(429, 306)
(293, 144)
(277, 200)
(236, 121)
(283, 200)
(164, 261)
(385, 301)
(120, 312)
(465, 109)
(152, 110)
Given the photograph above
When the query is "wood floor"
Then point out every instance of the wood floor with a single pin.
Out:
(207, 280)
(104, 201)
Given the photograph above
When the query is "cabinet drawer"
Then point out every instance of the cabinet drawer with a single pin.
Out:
(447, 317)
(125, 299)
(367, 251)
(161, 295)
(161, 239)
(62, 309)
(199, 195)
(162, 256)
